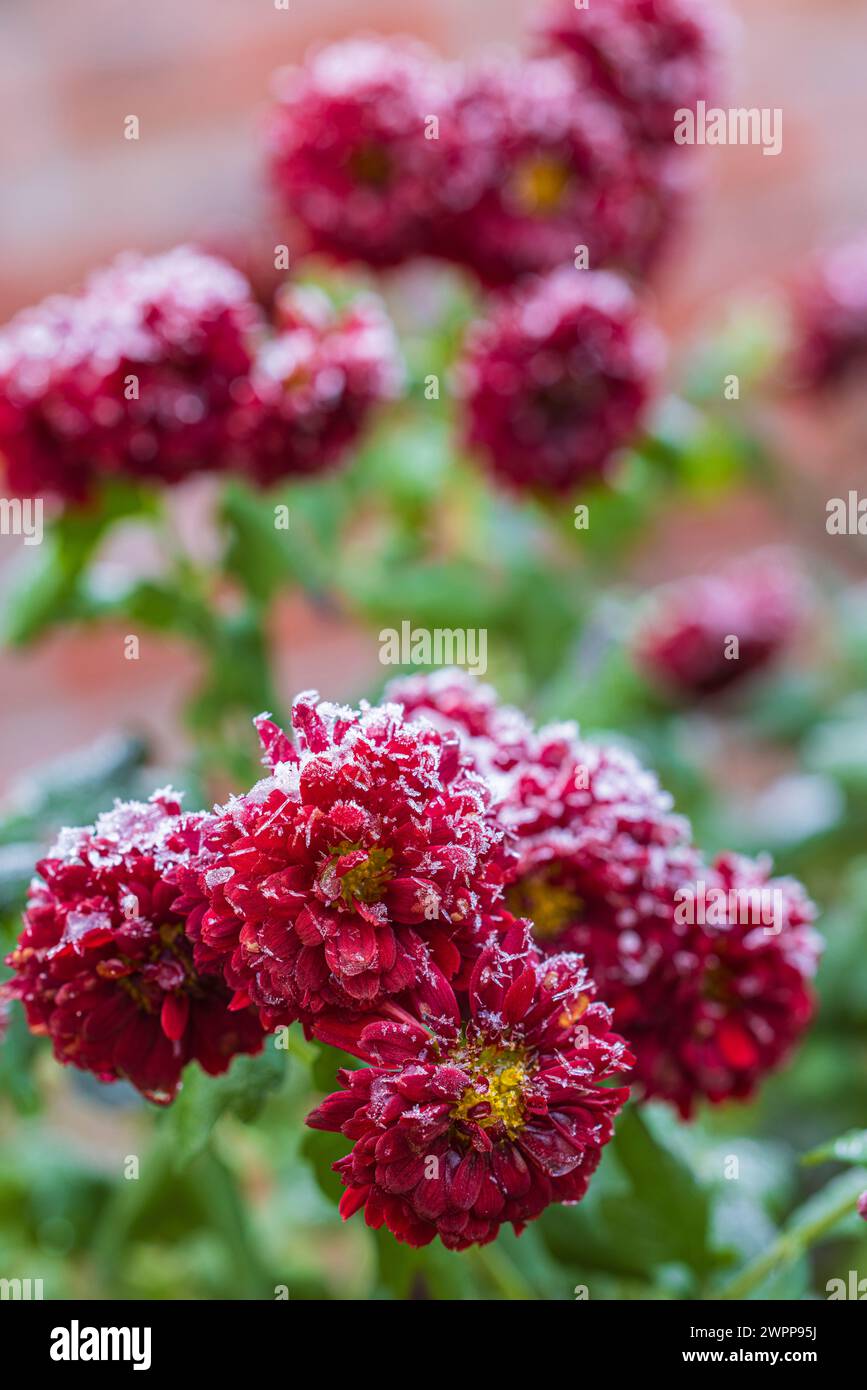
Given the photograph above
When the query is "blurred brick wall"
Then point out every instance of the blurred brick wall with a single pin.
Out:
(197, 74)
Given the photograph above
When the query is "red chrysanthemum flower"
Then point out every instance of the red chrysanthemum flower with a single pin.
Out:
(350, 155)
(589, 828)
(104, 967)
(734, 995)
(495, 736)
(368, 848)
(461, 1124)
(598, 850)
(601, 866)
(685, 643)
(315, 383)
(651, 57)
(536, 169)
(711, 997)
(558, 378)
(136, 375)
(830, 313)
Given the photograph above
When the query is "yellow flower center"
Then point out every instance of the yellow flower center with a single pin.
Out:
(366, 882)
(371, 164)
(539, 184)
(549, 906)
(499, 1081)
(169, 933)
(717, 984)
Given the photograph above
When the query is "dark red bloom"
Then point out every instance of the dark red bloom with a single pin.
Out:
(862, 1205)
(599, 854)
(331, 882)
(316, 382)
(103, 966)
(830, 319)
(462, 1123)
(735, 994)
(537, 170)
(709, 984)
(685, 643)
(350, 155)
(563, 802)
(136, 375)
(557, 379)
(650, 57)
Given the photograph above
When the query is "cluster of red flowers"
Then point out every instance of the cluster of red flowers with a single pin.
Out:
(380, 152)
(165, 365)
(546, 176)
(439, 889)
(706, 966)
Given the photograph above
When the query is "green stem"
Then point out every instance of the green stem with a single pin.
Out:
(129, 1200)
(795, 1242)
(220, 1191)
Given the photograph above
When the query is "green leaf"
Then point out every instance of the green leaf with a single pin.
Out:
(541, 613)
(838, 747)
(645, 1212)
(848, 1148)
(746, 343)
(664, 1186)
(667, 1215)
(451, 595)
(257, 553)
(408, 463)
(53, 593)
(17, 863)
(322, 1150)
(17, 1057)
(326, 1064)
(229, 1215)
(242, 1091)
(843, 979)
(619, 510)
(601, 690)
(161, 605)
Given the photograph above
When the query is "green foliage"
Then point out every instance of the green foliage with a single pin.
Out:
(17, 1060)
(823, 1214)
(241, 1091)
(54, 592)
(646, 1217)
(849, 1148)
